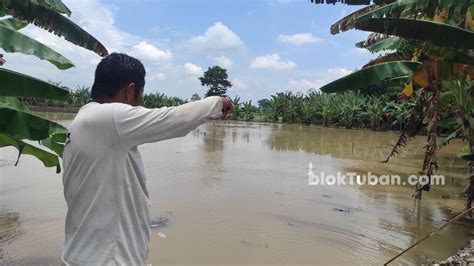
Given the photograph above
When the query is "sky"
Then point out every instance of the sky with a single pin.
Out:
(267, 46)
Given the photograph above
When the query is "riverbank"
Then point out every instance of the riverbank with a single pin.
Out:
(464, 256)
(43, 109)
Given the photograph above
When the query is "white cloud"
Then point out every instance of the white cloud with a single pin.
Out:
(99, 20)
(193, 70)
(330, 75)
(304, 84)
(338, 72)
(272, 61)
(299, 39)
(159, 76)
(145, 50)
(96, 18)
(238, 83)
(223, 61)
(217, 39)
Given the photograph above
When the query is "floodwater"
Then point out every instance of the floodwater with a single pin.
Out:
(238, 193)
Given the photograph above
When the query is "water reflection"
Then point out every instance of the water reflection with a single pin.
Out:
(213, 153)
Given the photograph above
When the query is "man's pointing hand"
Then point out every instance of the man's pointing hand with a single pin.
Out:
(227, 107)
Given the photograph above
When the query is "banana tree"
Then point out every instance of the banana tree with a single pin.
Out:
(431, 43)
(248, 110)
(18, 125)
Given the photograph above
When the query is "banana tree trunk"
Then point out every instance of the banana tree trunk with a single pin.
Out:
(469, 190)
(429, 163)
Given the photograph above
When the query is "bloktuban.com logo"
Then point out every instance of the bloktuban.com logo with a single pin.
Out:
(342, 179)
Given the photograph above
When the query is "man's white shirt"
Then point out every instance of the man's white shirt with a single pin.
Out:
(104, 181)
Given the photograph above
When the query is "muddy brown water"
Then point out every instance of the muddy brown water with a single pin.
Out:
(238, 193)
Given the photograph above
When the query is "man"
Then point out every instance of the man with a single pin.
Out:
(104, 181)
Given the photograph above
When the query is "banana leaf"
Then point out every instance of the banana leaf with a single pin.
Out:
(56, 5)
(48, 159)
(466, 154)
(43, 16)
(55, 146)
(414, 8)
(345, 23)
(462, 58)
(353, 2)
(390, 43)
(18, 122)
(57, 139)
(19, 85)
(437, 33)
(15, 42)
(371, 75)
(394, 9)
(13, 23)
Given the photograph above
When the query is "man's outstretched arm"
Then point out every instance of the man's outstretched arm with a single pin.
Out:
(138, 125)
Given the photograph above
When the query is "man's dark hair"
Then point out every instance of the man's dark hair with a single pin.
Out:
(115, 71)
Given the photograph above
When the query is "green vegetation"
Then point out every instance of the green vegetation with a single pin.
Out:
(429, 48)
(17, 123)
(348, 110)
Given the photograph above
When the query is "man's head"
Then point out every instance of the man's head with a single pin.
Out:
(119, 78)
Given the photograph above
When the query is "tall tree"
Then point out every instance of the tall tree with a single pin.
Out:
(216, 79)
(195, 97)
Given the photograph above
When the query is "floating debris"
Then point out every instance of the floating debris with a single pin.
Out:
(295, 225)
(245, 242)
(348, 209)
(162, 222)
(162, 235)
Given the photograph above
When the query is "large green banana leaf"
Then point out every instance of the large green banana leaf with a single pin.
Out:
(55, 5)
(17, 121)
(48, 159)
(420, 8)
(437, 33)
(345, 23)
(353, 2)
(395, 9)
(371, 75)
(43, 16)
(15, 42)
(55, 146)
(19, 85)
(13, 23)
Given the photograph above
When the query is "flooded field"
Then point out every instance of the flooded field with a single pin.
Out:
(238, 193)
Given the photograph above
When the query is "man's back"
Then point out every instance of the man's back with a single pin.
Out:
(105, 190)
(104, 182)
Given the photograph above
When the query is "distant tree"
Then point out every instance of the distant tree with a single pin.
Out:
(263, 104)
(195, 97)
(216, 79)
